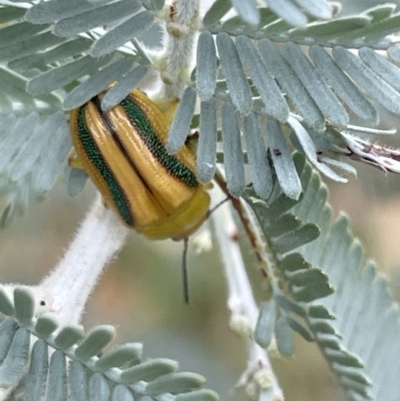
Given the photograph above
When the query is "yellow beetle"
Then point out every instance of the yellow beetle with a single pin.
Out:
(123, 151)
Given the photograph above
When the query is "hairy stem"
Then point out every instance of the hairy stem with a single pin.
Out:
(181, 27)
(66, 290)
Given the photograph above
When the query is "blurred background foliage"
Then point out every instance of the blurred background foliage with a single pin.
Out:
(142, 287)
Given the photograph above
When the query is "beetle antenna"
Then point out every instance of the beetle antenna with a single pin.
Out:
(212, 210)
(185, 278)
(185, 270)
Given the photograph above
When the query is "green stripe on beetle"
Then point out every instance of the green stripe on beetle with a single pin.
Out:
(123, 152)
(96, 158)
(143, 126)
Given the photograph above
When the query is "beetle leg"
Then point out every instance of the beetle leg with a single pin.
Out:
(74, 161)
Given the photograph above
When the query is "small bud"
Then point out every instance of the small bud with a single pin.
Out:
(264, 378)
(241, 325)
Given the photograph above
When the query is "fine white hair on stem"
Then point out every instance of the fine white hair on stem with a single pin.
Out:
(67, 288)
(182, 30)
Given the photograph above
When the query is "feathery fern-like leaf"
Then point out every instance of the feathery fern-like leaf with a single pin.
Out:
(334, 321)
(120, 372)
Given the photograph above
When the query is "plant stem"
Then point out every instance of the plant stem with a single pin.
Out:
(182, 28)
(66, 290)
